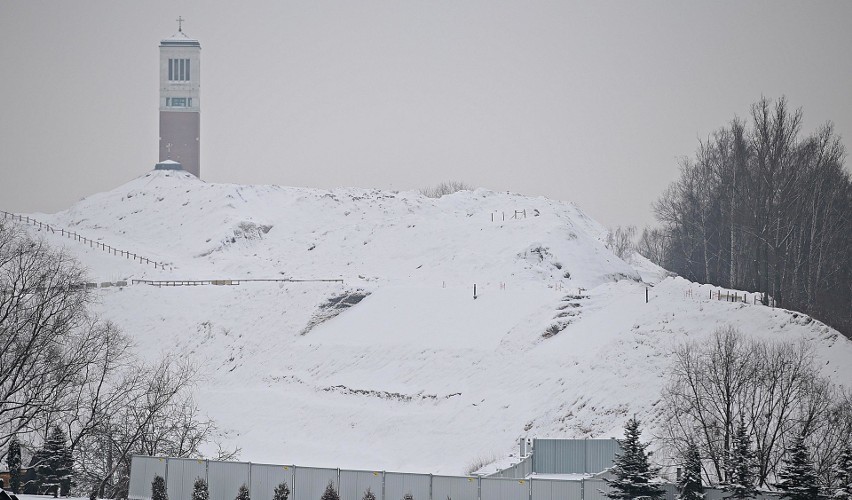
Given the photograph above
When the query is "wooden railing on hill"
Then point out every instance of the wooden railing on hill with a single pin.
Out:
(160, 283)
(82, 239)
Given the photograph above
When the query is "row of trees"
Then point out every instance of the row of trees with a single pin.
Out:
(634, 476)
(75, 401)
(761, 207)
(732, 396)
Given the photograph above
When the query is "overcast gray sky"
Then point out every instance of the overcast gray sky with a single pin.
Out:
(591, 102)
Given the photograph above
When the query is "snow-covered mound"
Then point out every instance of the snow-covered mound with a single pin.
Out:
(237, 231)
(398, 366)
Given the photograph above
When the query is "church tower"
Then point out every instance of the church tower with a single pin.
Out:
(180, 104)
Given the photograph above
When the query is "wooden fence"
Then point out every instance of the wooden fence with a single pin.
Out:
(85, 241)
(161, 283)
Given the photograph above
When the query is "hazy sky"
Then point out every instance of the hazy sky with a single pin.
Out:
(591, 102)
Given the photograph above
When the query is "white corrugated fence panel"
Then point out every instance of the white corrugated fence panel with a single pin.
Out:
(181, 476)
(398, 484)
(265, 477)
(594, 489)
(493, 488)
(547, 489)
(142, 472)
(225, 479)
(455, 488)
(310, 482)
(354, 484)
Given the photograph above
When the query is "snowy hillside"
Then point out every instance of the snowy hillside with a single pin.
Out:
(419, 375)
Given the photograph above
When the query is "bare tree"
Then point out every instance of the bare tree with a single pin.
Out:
(444, 188)
(61, 367)
(762, 208)
(620, 241)
(774, 388)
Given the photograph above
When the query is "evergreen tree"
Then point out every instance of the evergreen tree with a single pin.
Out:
(282, 492)
(741, 473)
(632, 472)
(798, 477)
(158, 489)
(690, 484)
(330, 493)
(368, 495)
(843, 472)
(13, 460)
(65, 470)
(243, 493)
(199, 490)
(53, 463)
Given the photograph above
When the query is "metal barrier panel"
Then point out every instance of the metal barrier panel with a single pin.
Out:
(142, 472)
(493, 488)
(526, 466)
(520, 470)
(559, 456)
(573, 456)
(264, 479)
(600, 453)
(455, 488)
(547, 489)
(181, 475)
(354, 484)
(593, 489)
(225, 478)
(397, 485)
(310, 482)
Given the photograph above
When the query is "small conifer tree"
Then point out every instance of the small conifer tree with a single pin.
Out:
(158, 489)
(741, 475)
(330, 493)
(282, 492)
(631, 469)
(13, 460)
(243, 493)
(843, 474)
(690, 486)
(798, 477)
(200, 490)
(368, 495)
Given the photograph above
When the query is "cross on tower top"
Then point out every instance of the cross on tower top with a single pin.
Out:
(180, 21)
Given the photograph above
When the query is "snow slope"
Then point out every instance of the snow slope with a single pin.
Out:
(418, 376)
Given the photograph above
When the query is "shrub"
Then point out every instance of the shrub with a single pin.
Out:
(330, 493)
(282, 492)
(199, 490)
(447, 187)
(243, 493)
(158, 489)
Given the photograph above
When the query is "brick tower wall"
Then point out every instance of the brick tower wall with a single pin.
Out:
(181, 129)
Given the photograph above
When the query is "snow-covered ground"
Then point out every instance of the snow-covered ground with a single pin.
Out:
(419, 376)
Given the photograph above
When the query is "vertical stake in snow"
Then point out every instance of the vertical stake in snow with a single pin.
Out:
(646, 294)
(474, 291)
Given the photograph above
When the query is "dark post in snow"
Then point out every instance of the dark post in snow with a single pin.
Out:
(474, 291)
(646, 294)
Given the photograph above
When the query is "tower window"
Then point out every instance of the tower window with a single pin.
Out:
(178, 70)
(178, 102)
